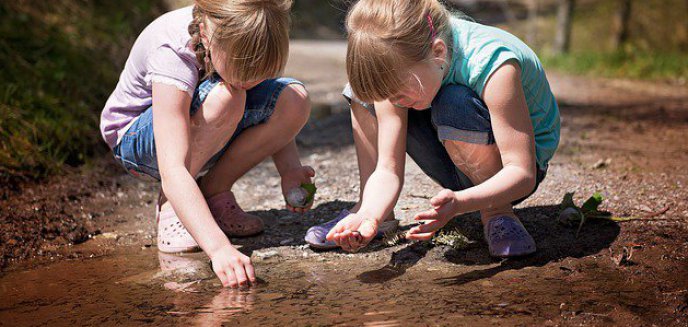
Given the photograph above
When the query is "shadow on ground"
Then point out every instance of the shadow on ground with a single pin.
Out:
(283, 225)
(555, 243)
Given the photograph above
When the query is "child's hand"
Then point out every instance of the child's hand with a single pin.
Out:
(353, 232)
(293, 179)
(232, 267)
(445, 207)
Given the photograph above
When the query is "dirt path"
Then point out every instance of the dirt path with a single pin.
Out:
(625, 139)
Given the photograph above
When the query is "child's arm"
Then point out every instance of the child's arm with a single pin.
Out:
(382, 189)
(171, 126)
(513, 133)
(292, 172)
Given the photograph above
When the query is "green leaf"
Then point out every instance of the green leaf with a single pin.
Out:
(592, 203)
(311, 189)
(589, 210)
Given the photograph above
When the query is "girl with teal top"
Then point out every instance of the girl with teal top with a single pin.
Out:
(469, 103)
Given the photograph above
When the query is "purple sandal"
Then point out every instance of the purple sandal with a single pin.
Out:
(506, 237)
(315, 236)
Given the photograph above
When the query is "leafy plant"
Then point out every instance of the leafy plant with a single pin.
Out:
(570, 214)
(453, 238)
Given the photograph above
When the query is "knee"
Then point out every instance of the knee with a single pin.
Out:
(294, 103)
(220, 106)
(455, 99)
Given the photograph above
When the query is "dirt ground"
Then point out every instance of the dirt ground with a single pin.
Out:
(625, 139)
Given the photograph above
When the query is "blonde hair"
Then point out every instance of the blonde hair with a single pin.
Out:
(254, 34)
(388, 36)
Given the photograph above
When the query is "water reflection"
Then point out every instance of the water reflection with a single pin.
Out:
(191, 273)
(225, 305)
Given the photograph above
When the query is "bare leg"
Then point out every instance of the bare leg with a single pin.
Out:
(479, 162)
(259, 142)
(364, 126)
(213, 125)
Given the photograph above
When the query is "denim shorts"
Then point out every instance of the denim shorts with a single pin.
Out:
(456, 114)
(136, 150)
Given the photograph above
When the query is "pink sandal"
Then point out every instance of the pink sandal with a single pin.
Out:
(172, 236)
(231, 218)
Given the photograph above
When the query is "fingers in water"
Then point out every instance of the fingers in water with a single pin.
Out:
(251, 273)
(231, 277)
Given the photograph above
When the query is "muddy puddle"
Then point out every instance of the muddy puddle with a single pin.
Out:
(136, 287)
(153, 288)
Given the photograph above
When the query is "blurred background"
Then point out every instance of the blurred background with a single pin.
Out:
(61, 59)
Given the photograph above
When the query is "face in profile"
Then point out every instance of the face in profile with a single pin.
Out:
(423, 80)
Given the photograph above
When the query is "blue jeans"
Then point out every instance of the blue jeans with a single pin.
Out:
(136, 150)
(457, 114)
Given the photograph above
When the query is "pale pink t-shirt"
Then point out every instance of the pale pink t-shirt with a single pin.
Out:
(160, 54)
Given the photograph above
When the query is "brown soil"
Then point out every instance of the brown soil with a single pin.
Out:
(641, 127)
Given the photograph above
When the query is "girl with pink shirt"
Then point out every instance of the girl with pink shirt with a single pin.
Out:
(197, 106)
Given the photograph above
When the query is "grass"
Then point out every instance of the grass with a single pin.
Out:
(59, 60)
(656, 50)
(626, 64)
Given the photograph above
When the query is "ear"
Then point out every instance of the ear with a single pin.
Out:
(204, 35)
(439, 49)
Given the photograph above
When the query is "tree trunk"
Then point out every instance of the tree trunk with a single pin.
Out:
(621, 22)
(562, 40)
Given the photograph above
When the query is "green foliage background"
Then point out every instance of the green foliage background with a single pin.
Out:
(59, 60)
(657, 47)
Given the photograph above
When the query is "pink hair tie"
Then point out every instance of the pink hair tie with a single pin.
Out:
(432, 27)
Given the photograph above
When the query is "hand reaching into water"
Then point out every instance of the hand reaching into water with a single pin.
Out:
(353, 232)
(232, 267)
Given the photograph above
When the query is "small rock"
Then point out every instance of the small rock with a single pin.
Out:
(601, 163)
(267, 255)
(287, 241)
(109, 236)
(296, 197)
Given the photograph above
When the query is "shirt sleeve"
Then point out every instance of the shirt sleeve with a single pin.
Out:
(166, 66)
(490, 58)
